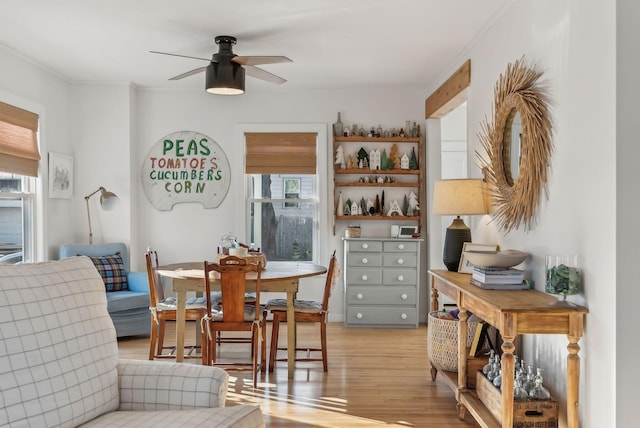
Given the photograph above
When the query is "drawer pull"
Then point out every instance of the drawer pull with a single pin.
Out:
(364, 277)
(403, 316)
(365, 246)
(359, 296)
(359, 316)
(404, 296)
(401, 246)
(400, 261)
(400, 278)
(365, 261)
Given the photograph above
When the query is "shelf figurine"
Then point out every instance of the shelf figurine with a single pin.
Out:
(354, 208)
(404, 162)
(413, 162)
(340, 157)
(374, 159)
(394, 209)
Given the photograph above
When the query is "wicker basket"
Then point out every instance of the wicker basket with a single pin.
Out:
(352, 232)
(442, 341)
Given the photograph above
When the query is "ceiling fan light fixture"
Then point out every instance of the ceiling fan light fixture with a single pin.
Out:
(226, 79)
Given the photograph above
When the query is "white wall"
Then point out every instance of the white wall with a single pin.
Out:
(573, 42)
(627, 206)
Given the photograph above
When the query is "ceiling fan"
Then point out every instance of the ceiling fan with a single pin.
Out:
(226, 70)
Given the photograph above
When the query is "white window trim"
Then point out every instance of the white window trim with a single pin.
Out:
(321, 249)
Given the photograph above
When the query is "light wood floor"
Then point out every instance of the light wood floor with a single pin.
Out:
(376, 378)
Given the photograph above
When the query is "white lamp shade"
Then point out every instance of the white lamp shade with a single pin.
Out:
(109, 200)
(459, 197)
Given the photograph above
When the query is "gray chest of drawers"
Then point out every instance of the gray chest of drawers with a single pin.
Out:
(381, 278)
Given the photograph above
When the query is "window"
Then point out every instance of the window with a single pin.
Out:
(19, 158)
(283, 189)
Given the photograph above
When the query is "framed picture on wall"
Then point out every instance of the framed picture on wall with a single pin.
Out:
(60, 176)
(465, 266)
(291, 191)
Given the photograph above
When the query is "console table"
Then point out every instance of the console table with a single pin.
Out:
(512, 313)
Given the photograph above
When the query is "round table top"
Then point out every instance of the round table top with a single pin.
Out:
(274, 271)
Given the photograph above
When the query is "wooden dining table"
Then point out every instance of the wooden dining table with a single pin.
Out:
(280, 277)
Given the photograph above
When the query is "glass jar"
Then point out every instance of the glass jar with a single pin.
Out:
(227, 242)
(562, 276)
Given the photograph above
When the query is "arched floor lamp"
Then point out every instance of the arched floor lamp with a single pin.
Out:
(108, 201)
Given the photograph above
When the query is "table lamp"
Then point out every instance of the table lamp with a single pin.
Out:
(458, 197)
(108, 201)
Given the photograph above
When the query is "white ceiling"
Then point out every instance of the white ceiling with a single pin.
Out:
(332, 43)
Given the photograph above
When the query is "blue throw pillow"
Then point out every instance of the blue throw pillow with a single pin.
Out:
(111, 269)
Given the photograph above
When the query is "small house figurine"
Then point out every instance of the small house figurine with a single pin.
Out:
(394, 209)
(374, 159)
(354, 208)
(404, 162)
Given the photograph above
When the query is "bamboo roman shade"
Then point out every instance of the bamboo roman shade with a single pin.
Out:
(280, 152)
(18, 141)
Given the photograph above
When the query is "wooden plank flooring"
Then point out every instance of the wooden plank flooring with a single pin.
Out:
(376, 378)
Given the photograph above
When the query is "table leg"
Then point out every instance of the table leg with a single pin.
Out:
(507, 380)
(434, 295)
(181, 296)
(291, 334)
(462, 357)
(573, 370)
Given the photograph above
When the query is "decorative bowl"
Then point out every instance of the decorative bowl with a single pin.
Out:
(501, 259)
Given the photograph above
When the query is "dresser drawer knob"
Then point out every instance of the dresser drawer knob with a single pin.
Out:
(359, 296)
(400, 278)
(359, 316)
(401, 246)
(400, 261)
(365, 246)
(403, 296)
(403, 316)
(364, 277)
(365, 261)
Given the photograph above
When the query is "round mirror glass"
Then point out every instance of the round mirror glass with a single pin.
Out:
(516, 145)
(511, 146)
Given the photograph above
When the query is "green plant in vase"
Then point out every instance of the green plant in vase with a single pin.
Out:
(562, 279)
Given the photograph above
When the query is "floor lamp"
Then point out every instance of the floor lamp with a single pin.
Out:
(458, 197)
(108, 201)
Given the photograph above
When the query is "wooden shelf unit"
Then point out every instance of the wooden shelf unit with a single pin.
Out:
(343, 178)
(512, 313)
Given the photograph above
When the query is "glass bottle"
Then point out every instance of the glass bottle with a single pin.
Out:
(414, 130)
(519, 393)
(379, 131)
(487, 367)
(495, 370)
(497, 381)
(539, 392)
(338, 129)
(529, 382)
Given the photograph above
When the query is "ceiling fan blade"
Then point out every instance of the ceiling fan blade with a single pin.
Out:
(189, 73)
(259, 73)
(182, 56)
(258, 60)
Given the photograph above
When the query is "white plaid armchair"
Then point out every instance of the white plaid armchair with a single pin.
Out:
(59, 361)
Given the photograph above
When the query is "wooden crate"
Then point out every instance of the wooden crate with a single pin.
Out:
(533, 413)
(473, 365)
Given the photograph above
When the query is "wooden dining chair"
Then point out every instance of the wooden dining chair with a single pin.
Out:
(305, 311)
(164, 309)
(234, 314)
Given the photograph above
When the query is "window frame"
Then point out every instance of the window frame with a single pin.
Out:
(320, 228)
(35, 185)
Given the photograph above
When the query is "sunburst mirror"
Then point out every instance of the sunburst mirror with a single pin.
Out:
(517, 146)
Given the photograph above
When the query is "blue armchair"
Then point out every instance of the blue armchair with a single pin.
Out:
(129, 309)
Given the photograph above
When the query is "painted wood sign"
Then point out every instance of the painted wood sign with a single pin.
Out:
(185, 167)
